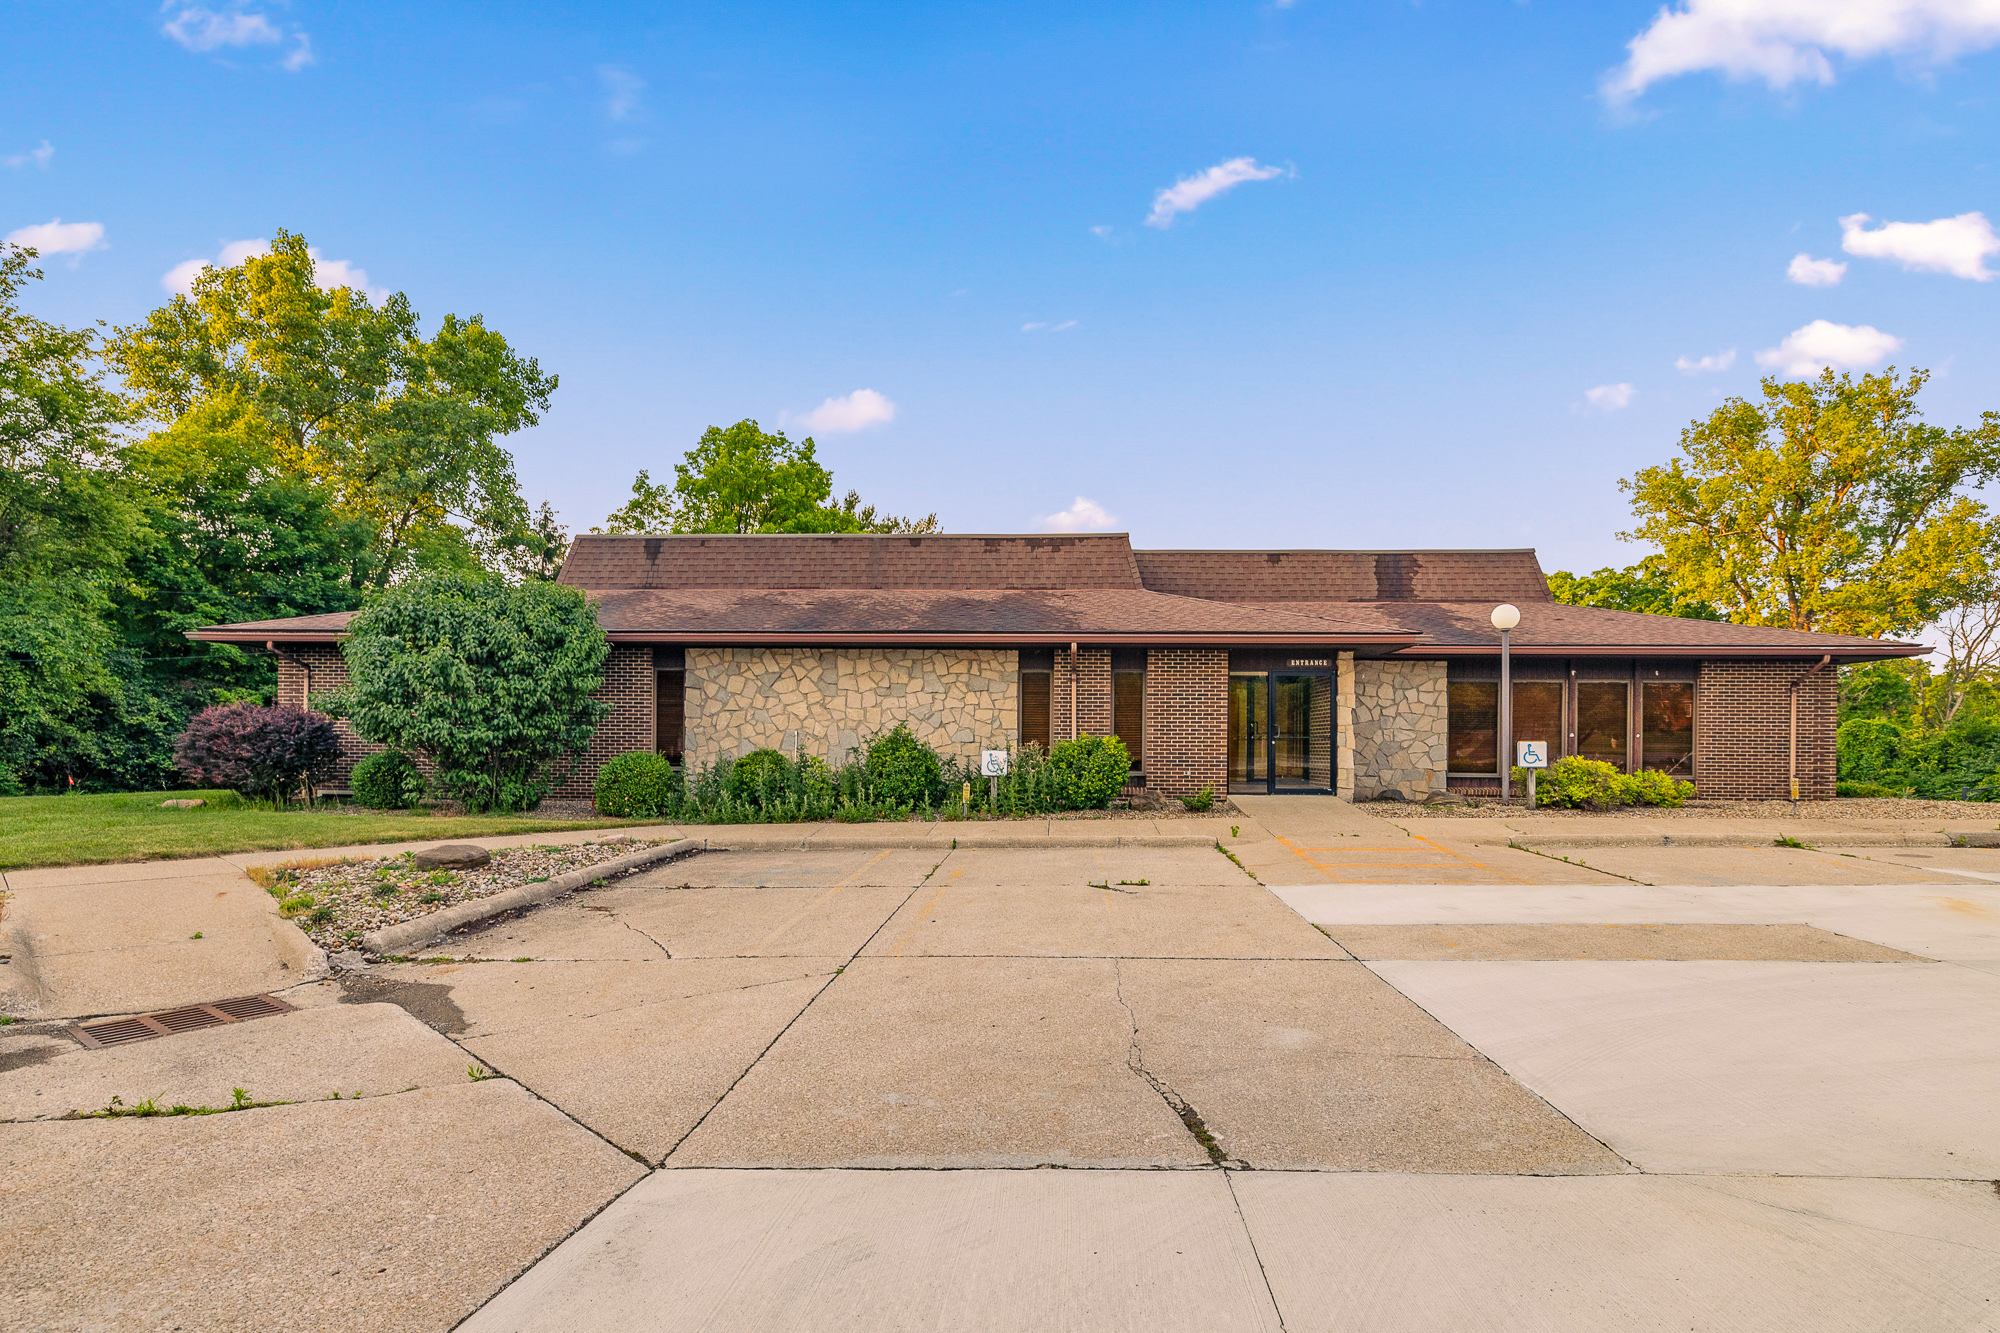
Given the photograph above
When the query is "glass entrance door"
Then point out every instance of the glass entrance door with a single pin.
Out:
(1249, 733)
(1280, 733)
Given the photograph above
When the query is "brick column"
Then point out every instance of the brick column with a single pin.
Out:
(1187, 720)
(1742, 730)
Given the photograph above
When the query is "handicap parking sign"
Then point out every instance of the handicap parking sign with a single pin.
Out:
(993, 763)
(1531, 754)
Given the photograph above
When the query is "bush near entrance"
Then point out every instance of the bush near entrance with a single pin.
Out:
(635, 786)
(1576, 783)
(903, 770)
(1089, 771)
(387, 781)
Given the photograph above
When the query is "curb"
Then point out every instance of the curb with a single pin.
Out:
(392, 939)
(1587, 840)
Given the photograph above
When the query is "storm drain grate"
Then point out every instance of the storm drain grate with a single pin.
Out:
(144, 1027)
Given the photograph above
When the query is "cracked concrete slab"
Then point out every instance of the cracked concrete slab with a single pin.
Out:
(304, 1056)
(960, 916)
(1078, 866)
(973, 1251)
(1320, 1065)
(397, 1213)
(644, 1073)
(1411, 1254)
(1853, 1069)
(950, 1062)
(749, 921)
(1680, 942)
(778, 867)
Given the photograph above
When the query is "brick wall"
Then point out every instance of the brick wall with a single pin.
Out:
(628, 688)
(1187, 719)
(1742, 726)
(1093, 694)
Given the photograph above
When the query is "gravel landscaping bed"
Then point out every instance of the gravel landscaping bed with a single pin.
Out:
(336, 903)
(1844, 807)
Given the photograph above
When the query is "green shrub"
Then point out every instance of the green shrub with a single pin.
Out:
(634, 786)
(1651, 787)
(902, 770)
(387, 781)
(758, 774)
(1863, 789)
(1200, 801)
(1089, 771)
(1576, 783)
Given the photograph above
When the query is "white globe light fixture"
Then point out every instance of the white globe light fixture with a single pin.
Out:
(1505, 617)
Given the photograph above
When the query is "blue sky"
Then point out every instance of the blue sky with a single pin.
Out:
(1402, 243)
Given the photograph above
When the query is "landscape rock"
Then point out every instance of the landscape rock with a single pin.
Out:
(181, 805)
(453, 856)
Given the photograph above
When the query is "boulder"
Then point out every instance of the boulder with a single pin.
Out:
(181, 805)
(453, 856)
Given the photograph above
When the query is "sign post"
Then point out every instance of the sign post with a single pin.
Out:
(993, 767)
(1532, 756)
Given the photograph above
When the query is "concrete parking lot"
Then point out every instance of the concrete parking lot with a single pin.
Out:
(1331, 1074)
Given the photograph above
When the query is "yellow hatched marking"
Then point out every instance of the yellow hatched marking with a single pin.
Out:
(820, 901)
(923, 915)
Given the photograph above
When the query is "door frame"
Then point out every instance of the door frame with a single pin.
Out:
(1270, 780)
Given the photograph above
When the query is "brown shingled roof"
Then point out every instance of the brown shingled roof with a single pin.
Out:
(1551, 628)
(1346, 576)
(851, 560)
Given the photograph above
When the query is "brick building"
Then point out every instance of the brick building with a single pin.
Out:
(1368, 674)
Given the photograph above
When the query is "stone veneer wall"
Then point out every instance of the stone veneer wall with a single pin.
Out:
(1400, 722)
(1343, 728)
(831, 700)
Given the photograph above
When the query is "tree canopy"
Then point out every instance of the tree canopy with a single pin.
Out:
(1647, 587)
(401, 430)
(1828, 505)
(743, 479)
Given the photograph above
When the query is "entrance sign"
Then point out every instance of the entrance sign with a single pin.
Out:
(1531, 754)
(992, 763)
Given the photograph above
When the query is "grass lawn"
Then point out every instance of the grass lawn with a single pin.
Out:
(87, 830)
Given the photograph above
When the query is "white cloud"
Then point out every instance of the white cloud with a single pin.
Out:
(1784, 42)
(200, 28)
(1083, 516)
(857, 411)
(1191, 192)
(327, 273)
(1719, 361)
(621, 91)
(1043, 326)
(1101, 230)
(39, 156)
(1823, 344)
(1957, 246)
(56, 237)
(1610, 397)
(1809, 272)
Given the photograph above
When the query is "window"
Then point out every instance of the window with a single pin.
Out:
(1667, 727)
(1035, 708)
(1538, 713)
(1472, 722)
(1602, 720)
(1128, 714)
(669, 713)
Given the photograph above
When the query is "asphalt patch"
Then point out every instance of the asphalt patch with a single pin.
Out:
(429, 1002)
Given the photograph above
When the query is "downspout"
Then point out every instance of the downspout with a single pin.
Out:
(1796, 682)
(1072, 691)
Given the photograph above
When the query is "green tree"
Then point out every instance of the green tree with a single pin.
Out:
(402, 430)
(1829, 505)
(744, 479)
(1648, 587)
(491, 682)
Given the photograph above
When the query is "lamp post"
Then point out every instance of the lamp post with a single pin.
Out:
(1505, 617)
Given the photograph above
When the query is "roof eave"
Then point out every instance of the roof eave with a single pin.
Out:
(1875, 651)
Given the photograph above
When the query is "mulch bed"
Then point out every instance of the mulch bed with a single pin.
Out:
(336, 902)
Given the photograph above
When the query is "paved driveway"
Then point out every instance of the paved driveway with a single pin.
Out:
(1066, 1087)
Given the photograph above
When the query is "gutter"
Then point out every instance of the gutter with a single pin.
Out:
(786, 639)
(1797, 681)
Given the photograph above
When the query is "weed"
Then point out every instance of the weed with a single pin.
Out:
(478, 1073)
(520, 960)
(1232, 856)
(431, 897)
(293, 906)
(385, 890)
(1136, 883)
(319, 916)
(443, 877)
(195, 936)
(1783, 841)
(1235, 830)
(116, 1109)
(1200, 801)
(5, 1019)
